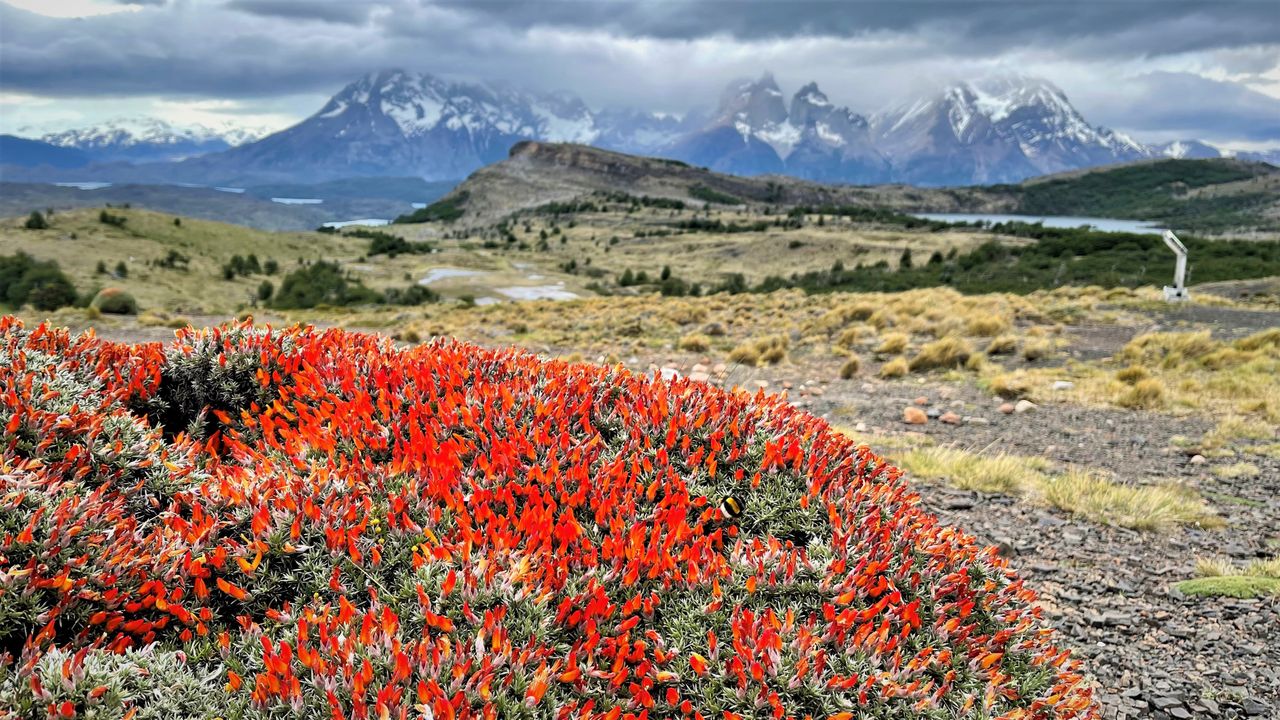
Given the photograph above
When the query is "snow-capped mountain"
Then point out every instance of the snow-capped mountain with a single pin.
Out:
(400, 123)
(1001, 129)
(396, 123)
(144, 139)
(754, 131)
(1184, 149)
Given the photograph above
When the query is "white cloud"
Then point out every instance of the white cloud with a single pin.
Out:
(74, 8)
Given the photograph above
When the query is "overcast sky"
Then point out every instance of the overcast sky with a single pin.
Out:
(1157, 70)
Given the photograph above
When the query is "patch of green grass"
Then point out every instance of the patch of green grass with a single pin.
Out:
(1233, 499)
(1241, 587)
(706, 194)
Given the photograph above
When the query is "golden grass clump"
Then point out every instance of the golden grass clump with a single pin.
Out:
(893, 343)
(769, 350)
(1036, 349)
(1265, 340)
(850, 367)
(1010, 386)
(1002, 345)
(1132, 374)
(694, 342)
(1148, 394)
(1138, 507)
(895, 368)
(1168, 349)
(685, 313)
(985, 323)
(842, 315)
(852, 335)
(882, 319)
(948, 352)
(1000, 473)
(1237, 470)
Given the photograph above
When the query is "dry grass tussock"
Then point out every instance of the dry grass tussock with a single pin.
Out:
(1076, 491)
(1237, 383)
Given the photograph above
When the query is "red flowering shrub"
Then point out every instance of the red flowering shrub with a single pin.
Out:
(316, 524)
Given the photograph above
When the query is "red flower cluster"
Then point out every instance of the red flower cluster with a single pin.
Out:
(339, 528)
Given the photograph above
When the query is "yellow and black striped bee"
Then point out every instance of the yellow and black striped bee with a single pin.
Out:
(731, 508)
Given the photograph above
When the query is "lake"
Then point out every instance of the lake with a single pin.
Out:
(84, 185)
(367, 222)
(1058, 221)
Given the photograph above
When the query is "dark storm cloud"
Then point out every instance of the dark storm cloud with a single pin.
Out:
(621, 52)
(992, 23)
(334, 11)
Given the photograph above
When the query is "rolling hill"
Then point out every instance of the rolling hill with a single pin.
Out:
(537, 173)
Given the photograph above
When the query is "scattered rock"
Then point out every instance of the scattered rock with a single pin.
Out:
(914, 416)
(1197, 460)
(860, 427)
(720, 368)
(698, 368)
(950, 418)
(868, 388)
(670, 373)
(1063, 384)
(922, 400)
(762, 384)
(975, 420)
(933, 413)
(714, 329)
(699, 376)
(1007, 408)
(1024, 406)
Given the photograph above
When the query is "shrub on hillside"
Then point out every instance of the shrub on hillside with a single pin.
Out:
(23, 279)
(450, 531)
(36, 221)
(320, 283)
(114, 301)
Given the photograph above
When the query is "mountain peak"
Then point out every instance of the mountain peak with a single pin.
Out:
(752, 103)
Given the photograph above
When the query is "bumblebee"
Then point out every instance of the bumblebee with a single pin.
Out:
(731, 508)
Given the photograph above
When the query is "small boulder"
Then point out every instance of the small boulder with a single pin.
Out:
(1024, 406)
(914, 416)
(1063, 385)
(949, 418)
(1007, 408)
(699, 376)
(1197, 460)
(922, 400)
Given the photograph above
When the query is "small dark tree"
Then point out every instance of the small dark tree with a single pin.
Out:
(122, 270)
(36, 221)
(177, 222)
(905, 261)
(265, 290)
(270, 267)
(666, 272)
(101, 268)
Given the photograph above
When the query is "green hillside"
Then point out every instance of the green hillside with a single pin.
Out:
(1211, 196)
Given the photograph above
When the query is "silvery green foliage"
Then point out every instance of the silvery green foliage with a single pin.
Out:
(202, 375)
(160, 684)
